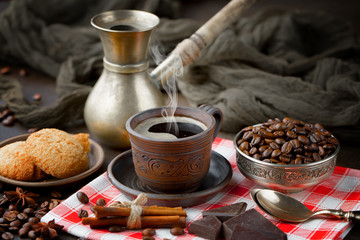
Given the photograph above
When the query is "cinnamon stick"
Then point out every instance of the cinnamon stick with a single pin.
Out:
(101, 212)
(146, 221)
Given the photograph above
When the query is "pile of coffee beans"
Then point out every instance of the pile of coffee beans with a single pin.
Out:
(17, 219)
(287, 141)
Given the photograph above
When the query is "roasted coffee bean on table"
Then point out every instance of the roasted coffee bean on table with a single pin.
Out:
(287, 141)
(82, 197)
(20, 213)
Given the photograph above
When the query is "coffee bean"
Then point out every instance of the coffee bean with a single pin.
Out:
(298, 161)
(291, 134)
(332, 140)
(284, 158)
(32, 130)
(32, 234)
(177, 231)
(303, 139)
(274, 145)
(299, 130)
(117, 228)
(256, 140)
(316, 157)
(266, 134)
(34, 220)
(28, 224)
(321, 151)
(256, 129)
(279, 134)
(253, 150)
(286, 147)
(275, 153)
(22, 216)
(28, 210)
(37, 97)
(4, 225)
(9, 121)
(16, 223)
(280, 141)
(148, 238)
(56, 194)
(266, 153)
(82, 213)
(22, 72)
(7, 236)
(314, 138)
(23, 232)
(148, 232)
(45, 204)
(100, 202)
(5, 70)
(247, 136)
(10, 215)
(298, 150)
(244, 146)
(12, 207)
(262, 148)
(82, 197)
(295, 143)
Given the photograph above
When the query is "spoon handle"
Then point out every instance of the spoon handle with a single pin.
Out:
(350, 215)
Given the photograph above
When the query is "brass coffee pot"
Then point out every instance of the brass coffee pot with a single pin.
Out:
(125, 87)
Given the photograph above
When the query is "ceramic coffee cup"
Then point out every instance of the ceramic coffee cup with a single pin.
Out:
(174, 165)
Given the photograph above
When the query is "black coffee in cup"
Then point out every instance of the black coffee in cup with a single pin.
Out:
(161, 128)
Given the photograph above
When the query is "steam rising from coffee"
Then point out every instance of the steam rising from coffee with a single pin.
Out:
(169, 86)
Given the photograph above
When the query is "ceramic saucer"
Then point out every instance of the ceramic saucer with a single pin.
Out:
(122, 174)
(96, 159)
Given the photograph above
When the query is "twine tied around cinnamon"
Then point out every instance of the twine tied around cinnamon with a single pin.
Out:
(134, 220)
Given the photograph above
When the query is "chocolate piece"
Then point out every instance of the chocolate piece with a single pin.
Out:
(241, 232)
(251, 223)
(208, 227)
(226, 212)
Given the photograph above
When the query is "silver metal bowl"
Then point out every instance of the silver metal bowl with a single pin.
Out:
(285, 178)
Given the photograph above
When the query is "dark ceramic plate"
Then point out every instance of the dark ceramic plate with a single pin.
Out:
(96, 159)
(122, 174)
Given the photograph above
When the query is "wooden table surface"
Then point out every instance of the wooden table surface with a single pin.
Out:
(38, 83)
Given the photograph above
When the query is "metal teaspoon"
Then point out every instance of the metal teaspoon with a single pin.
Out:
(289, 209)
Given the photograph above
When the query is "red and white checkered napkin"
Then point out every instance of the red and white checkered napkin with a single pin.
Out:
(340, 191)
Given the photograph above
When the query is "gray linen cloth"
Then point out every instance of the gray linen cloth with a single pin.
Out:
(303, 65)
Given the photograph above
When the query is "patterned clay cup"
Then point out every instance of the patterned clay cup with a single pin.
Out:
(177, 165)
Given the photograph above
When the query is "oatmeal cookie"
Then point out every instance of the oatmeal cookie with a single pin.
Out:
(15, 164)
(57, 153)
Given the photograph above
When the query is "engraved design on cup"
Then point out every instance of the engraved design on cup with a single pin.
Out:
(165, 168)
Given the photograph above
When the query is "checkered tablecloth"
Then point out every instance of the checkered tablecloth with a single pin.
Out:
(340, 191)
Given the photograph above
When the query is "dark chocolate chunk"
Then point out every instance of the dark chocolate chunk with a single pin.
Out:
(226, 212)
(241, 232)
(208, 227)
(251, 221)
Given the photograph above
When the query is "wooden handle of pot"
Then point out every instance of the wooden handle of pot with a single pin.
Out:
(189, 49)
